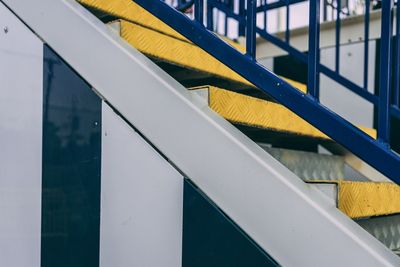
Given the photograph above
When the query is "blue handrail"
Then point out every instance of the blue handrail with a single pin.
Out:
(375, 152)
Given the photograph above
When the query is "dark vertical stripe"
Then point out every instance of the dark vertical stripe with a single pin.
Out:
(71, 167)
(211, 239)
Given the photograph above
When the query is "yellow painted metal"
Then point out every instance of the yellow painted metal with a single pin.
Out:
(154, 38)
(179, 52)
(364, 199)
(130, 11)
(245, 110)
(367, 199)
(140, 28)
(175, 51)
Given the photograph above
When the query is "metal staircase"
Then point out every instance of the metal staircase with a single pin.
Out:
(375, 152)
(374, 205)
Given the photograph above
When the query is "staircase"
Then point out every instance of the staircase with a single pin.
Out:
(287, 137)
(283, 184)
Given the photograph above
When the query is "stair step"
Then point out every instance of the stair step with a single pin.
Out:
(260, 114)
(171, 50)
(309, 166)
(186, 55)
(132, 12)
(182, 55)
(364, 199)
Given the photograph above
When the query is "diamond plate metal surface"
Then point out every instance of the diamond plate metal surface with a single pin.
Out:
(309, 166)
(386, 229)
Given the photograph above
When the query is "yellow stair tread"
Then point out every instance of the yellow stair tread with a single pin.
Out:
(367, 199)
(153, 37)
(250, 111)
(130, 11)
(188, 55)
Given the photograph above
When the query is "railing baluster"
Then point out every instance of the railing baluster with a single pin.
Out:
(265, 17)
(210, 16)
(337, 33)
(251, 28)
(396, 94)
(199, 11)
(325, 14)
(384, 84)
(313, 48)
(366, 43)
(242, 13)
(226, 19)
(287, 33)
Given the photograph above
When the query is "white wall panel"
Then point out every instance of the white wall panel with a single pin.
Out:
(141, 200)
(21, 90)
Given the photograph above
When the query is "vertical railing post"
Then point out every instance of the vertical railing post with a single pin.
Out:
(287, 32)
(210, 16)
(265, 17)
(313, 49)
(251, 28)
(384, 83)
(366, 43)
(199, 11)
(325, 15)
(242, 14)
(396, 93)
(337, 33)
(226, 2)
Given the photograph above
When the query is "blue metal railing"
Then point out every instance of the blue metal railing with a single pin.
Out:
(375, 152)
(387, 107)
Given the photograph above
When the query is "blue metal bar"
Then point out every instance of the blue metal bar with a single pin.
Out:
(287, 33)
(337, 33)
(242, 14)
(362, 145)
(313, 49)
(251, 28)
(366, 43)
(210, 16)
(396, 92)
(323, 69)
(325, 12)
(384, 83)
(199, 11)
(226, 19)
(265, 18)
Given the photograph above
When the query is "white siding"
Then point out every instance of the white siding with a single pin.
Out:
(21, 90)
(141, 200)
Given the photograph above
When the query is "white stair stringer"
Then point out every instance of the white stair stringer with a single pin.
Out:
(290, 220)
